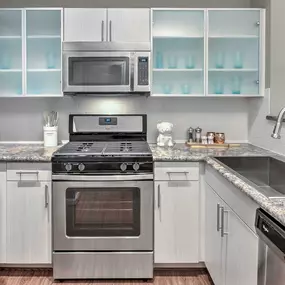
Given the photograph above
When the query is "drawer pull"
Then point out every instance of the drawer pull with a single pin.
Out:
(21, 173)
(177, 172)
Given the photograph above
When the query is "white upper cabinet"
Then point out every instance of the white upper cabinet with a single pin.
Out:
(113, 25)
(129, 25)
(81, 25)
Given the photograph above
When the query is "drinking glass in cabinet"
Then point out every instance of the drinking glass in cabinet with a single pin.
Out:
(167, 88)
(159, 60)
(5, 61)
(236, 85)
(190, 62)
(238, 62)
(185, 89)
(219, 87)
(220, 60)
(50, 58)
(172, 61)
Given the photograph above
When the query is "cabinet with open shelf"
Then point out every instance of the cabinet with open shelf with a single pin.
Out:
(30, 52)
(208, 52)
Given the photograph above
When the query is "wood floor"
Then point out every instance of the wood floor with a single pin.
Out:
(162, 277)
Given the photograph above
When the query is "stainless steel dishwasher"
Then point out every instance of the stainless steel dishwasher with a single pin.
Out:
(271, 268)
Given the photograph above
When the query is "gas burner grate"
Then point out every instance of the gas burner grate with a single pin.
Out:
(126, 147)
(84, 147)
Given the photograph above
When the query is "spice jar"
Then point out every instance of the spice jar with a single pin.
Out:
(220, 138)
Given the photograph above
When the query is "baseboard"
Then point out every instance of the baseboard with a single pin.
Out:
(179, 265)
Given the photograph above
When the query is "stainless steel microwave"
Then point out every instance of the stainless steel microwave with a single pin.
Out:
(94, 68)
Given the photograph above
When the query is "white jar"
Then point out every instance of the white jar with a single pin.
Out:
(50, 136)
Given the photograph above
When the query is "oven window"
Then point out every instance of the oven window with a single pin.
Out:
(94, 71)
(103, 212)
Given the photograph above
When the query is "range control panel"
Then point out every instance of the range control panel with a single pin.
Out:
(143, 72)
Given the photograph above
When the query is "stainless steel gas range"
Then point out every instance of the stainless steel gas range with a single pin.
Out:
(103, 199)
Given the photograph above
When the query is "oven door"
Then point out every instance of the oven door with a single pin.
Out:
(97, 72)
(102, 215)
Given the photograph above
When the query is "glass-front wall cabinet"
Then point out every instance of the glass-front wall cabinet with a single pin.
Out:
(30, 52)
(234, 52)
(43, 52)
(11, 60)
(178, 52)
(208, 52)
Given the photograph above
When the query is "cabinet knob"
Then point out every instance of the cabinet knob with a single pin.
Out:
(258, 23)
(257, 81)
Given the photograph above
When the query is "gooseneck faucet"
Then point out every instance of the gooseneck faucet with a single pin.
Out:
(278, 125)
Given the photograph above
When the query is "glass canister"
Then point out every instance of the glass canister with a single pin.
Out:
(220, 138)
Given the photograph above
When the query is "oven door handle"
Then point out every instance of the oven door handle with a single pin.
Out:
(102, 178)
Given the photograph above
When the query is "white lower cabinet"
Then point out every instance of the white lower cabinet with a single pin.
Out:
(231, 246)
(2, 213)
(176, 221)
(29, 222)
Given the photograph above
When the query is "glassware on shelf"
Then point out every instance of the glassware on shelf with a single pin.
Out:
(190, 62)
(5, 61)
(167, 88)
(238, 60)
(220, 60)
(236, 85)
(185, 89)
(50, 58)
(172, 61)
(159, 60)
(219, 86)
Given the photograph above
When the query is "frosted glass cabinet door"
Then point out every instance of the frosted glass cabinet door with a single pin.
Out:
(234, 52)
(43, 51)
(11, 52)
(178, 52)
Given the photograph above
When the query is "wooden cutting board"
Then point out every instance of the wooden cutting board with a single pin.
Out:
(215, 145)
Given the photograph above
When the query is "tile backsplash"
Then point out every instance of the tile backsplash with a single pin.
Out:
(22, 119)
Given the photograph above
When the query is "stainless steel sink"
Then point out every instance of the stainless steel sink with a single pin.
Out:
(266, 173)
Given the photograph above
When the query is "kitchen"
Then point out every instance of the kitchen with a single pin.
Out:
(197, 176)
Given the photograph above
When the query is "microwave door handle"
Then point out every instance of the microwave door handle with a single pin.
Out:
(102, 31)
(132, 83)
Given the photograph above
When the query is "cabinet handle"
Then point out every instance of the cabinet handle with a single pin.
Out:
(102, 31)
(158, 197)
(223, 211)
(110, 30)
(21, 173)
(46, 196)
(218, 217)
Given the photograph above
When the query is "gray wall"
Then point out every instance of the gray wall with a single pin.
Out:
(127, 3)
(22, 119)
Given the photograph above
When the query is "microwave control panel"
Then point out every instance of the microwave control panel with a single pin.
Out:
(143, 70)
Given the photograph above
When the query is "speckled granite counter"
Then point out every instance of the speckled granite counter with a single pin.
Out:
(181, 153)
(25, 152)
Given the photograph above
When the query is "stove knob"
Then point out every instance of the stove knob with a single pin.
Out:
(136, 167)
(123, 167)
(68, 167)
(81, 167)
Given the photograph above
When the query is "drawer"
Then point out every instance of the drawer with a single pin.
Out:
(28, 175)
(176, 171)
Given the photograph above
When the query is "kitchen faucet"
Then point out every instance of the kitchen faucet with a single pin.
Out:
(278, 125)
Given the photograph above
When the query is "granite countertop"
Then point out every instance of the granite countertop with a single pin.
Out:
(181, 153)
(26, 152)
